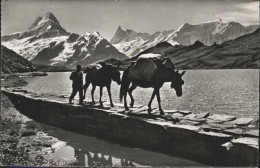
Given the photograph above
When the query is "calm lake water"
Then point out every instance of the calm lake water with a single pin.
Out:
(232, 92)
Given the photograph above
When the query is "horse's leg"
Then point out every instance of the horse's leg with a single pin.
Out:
(100, 98)
(150, 102)
(159, 101)
(130, 90)
(92, 93)
(125, 102)
(85, 87)
(109, 94)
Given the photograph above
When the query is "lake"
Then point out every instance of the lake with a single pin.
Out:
(231, 92)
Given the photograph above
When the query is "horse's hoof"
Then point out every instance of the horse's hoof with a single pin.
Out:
(149, 111)
(126, 108)
(112, 105)
(162, 113)
(131, 105)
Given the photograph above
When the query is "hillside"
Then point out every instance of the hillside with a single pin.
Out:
(12, 62)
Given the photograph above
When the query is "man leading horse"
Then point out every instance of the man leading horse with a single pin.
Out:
(77, 84)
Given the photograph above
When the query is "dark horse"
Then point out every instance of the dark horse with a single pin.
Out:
(101, 74)
(150, 73)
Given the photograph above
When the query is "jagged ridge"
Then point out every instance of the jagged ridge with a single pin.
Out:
(242, 52)
(208, 33)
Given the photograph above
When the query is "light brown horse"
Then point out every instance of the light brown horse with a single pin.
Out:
(147, 73)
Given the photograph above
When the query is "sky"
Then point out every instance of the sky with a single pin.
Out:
(104, 16)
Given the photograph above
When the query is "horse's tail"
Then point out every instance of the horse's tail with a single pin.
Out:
(124, 84)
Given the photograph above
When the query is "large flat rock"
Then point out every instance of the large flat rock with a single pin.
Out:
(234, 131)
(221, 118)
(194, 117)
(243, 121)
(219, 126)
(253, 142)
(251, 133)
(183, 112)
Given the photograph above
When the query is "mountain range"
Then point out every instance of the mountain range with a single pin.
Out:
(46, 42)
(132, 43)
(215, 44)
(242, 52)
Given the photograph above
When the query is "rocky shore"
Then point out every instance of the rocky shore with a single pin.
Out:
(23, 141)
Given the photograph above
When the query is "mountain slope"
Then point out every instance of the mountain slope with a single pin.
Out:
(242, 52)
(46, 42)
(85, 49)
(12, 62)
(208, 33)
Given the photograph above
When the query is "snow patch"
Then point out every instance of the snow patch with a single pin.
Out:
(65, 54)
(174, 43)
(30, 50)
(150, 55)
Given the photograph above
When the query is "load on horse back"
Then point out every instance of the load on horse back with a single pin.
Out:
(150, 70)
(101, 74)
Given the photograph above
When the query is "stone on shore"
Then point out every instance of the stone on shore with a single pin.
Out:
(243, 121)
(233, 131)
(203, 115)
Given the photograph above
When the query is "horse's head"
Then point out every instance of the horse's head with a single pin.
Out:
(116, 75)
(177, 82)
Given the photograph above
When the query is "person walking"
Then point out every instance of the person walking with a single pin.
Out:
(77, 84)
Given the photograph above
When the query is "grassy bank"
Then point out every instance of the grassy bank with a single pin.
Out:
(23, 142)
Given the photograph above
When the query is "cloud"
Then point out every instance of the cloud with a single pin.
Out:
(245, 13)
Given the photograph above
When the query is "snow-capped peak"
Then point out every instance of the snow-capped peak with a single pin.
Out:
(182, 26)
(120, 28)
(43, 27)
(47, 19)
(87, 34)
(96, 34)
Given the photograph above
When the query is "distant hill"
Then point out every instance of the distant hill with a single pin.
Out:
(12, 62)
(49, 68)
(240, 53)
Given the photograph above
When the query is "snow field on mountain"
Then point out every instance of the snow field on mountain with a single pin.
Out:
(29, 50)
